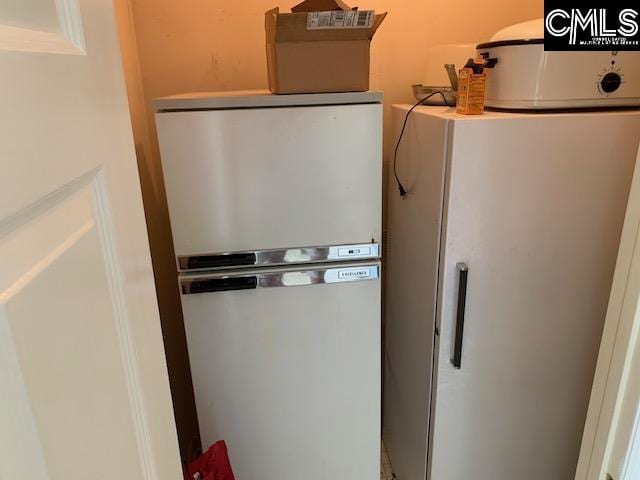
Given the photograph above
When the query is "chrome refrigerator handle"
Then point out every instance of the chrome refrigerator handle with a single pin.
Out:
(278, 256)
(463, 276)
(271, 279)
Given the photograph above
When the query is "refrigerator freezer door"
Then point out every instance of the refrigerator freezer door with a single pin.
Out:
(535, 207)
(272, 178)
(288, 373)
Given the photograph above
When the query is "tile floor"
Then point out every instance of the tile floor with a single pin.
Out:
(386, 472)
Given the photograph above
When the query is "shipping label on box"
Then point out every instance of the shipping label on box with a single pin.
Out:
(340, 19)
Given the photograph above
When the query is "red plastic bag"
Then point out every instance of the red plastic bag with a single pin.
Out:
(214, 464)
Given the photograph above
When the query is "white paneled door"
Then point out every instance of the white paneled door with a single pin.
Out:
(83, 385)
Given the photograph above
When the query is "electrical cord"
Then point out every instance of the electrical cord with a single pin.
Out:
(401, 189)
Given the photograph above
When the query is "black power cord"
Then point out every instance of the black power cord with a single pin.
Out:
(401, 189)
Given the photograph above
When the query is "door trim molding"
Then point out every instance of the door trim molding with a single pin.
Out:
(114, 270)
(621, 337)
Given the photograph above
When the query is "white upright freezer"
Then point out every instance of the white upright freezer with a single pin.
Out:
(499, 265)
(275, 207)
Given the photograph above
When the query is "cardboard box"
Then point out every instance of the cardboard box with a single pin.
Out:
(319, 52)
(319, 6)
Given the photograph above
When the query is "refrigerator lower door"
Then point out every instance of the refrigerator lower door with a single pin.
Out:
(286, 369)
(529, 249)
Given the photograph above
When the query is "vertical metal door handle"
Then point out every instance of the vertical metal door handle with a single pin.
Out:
(463, 276)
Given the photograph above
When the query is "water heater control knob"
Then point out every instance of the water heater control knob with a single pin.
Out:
(610, 82)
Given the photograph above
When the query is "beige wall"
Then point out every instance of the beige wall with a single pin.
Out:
(205, 45)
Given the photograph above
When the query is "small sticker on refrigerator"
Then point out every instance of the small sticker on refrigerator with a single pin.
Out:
(353, 274)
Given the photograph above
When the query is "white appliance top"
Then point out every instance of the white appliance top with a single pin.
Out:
(533, 29)
(259, 99)
(449, 113)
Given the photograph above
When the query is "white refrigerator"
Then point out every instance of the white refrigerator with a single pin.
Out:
(499, 265)
(275, 207)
